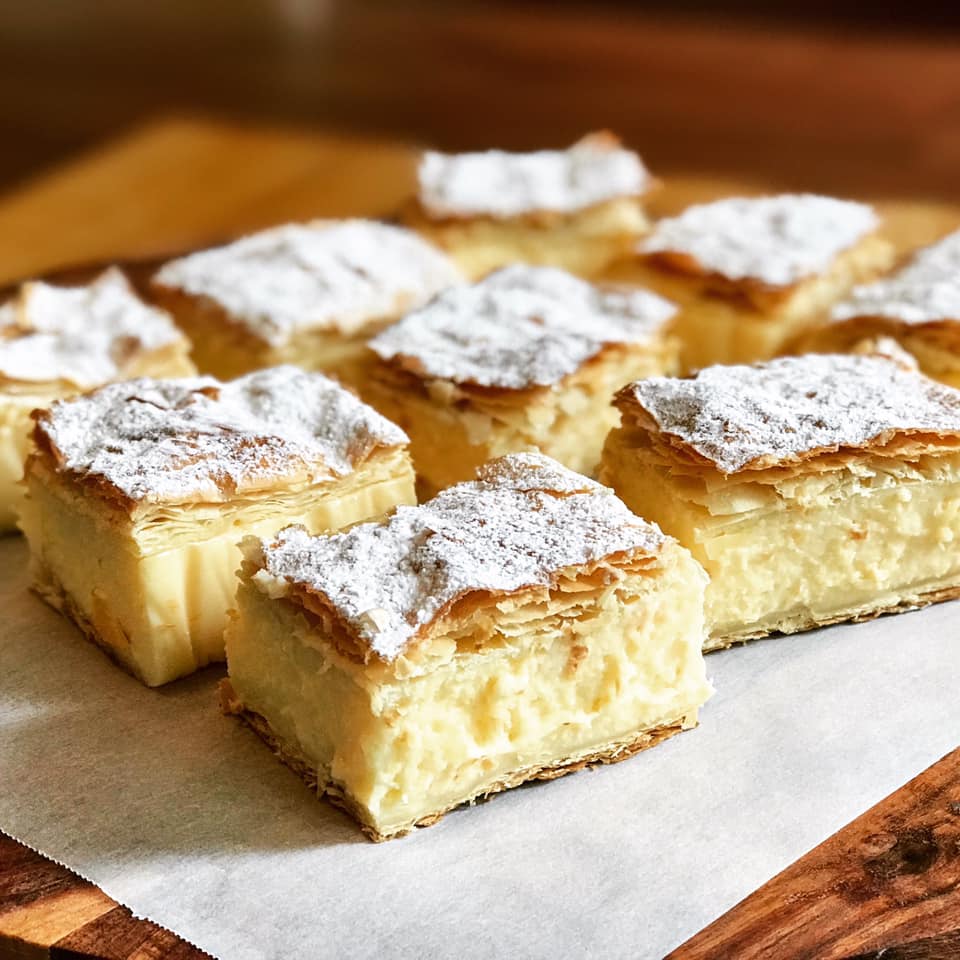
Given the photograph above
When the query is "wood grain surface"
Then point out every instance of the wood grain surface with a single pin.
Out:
(889, 882)
(887, 885)
(48, 911)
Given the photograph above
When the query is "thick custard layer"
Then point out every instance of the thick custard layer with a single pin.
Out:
(582, 243)
(225, 349)
(519, 687)
(15, 426)
(155, 591)
(871, 535)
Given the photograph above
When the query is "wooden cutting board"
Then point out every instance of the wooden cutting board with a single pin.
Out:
(887, 885)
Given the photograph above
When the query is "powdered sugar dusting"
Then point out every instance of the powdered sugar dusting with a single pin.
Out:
(521, 522)
(196, 438)
(777, 240)
(84, 336)
(520, 327)
(336, 275)
(498, 184)
(926, 290)
(790, 408)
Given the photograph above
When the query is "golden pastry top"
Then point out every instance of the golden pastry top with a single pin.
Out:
(791, 410)
(774, 241)
(501, 185)
(81, 337)
(518, 328)
(337, 275)
(199, 440)
(525, 522)
(926, 290)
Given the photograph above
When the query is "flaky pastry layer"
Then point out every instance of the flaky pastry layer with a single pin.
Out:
(197, 440)
(791, 415)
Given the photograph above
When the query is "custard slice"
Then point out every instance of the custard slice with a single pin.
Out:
(139, 492)
(518, 626)
(309, 294)
(918, 307)
(751, 274)
(526, 359)
(812, 489)
(579, 209)
(59, 341)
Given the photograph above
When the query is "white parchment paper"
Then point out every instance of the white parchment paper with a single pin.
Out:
(184, 816)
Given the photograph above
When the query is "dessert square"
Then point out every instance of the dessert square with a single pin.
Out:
(579, 208)
(751, 274)
(310, 294)
(519, 626)
(58, 341)
(526, 359)
(138, 495)
(918, 308)
(812, 489)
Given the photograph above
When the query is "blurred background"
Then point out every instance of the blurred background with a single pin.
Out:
(844, 96)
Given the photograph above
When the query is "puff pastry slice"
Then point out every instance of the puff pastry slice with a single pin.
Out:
(310, 294)
(812, 489)
(526, 359)
(918, 308)
(751, 274)
(517, 627)
(139, 493)
(579, 208)
(58, 341)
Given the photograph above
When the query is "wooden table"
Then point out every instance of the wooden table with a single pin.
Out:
(887, 885)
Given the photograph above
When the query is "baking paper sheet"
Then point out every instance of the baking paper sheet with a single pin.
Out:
(184, 816)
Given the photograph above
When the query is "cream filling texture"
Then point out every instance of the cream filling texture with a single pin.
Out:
(15, 426)
(156, 593)
(523, 686)
(784, 556)
(451, 436)
(582, 243)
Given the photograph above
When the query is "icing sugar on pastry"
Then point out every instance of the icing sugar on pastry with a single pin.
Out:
(777, 240)
(523, 521)
(196, 438)
(84, 336)
(336, 275)
(794, 408)
(501, 185)
(926, 290)
(520, 327)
